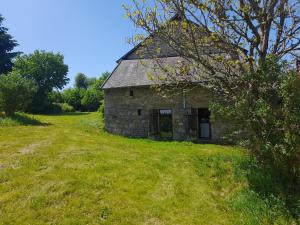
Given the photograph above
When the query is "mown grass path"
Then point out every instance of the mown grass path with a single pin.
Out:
(68, 171)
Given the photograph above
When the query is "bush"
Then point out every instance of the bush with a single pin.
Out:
(15, 93)
(91, 100)
(61, 107)
(67, 108)
(73, 98)
(55, 97)
(269, 115)
(54, 108)
(101, 108)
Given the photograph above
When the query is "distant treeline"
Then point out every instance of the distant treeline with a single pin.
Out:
(33, 82)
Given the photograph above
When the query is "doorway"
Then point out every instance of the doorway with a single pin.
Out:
(204, 123)
(165, 123)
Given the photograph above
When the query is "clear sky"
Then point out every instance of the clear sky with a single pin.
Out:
(91, 34)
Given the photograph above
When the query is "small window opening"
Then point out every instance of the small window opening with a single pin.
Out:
(139, 112)
(131, 93)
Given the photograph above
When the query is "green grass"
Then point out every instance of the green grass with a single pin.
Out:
(19, 119)
(72, 172)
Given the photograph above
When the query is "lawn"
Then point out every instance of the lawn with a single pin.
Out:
(65, 169)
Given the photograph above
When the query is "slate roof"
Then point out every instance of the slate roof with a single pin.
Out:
(177, 16)
(131, 73)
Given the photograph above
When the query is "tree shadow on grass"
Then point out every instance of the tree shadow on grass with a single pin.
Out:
(69, 114)
(20, 119)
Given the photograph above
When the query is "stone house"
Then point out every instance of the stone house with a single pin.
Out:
(133, 109)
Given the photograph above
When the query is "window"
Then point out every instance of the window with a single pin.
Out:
(139, 112)
(131, 93)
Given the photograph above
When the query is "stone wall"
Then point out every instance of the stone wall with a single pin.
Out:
(121, 111)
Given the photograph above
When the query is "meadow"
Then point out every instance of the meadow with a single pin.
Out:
(65, 169)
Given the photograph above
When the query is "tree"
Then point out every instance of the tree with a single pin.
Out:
(99, 82)
(15, 93)
(239, 51)
(47, 70)
(91, 81)
(91, 100)
(7, 44)
(104, 76)
(73, 97)
(88, 97)
(242, 33)
(55, 97)
(81, 81)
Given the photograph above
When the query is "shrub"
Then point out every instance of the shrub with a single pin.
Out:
(91, 100)
(269, 115)
(73, 98)
(54, 108)
(66, 108)
(101, 108)
(15, 93)
(61, 107)
(55, 97)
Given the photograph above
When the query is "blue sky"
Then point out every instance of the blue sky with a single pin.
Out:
(91, 34)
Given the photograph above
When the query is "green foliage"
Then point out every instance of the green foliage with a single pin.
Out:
(268, 117)
(67, 108)
(87, 95)
(55, 97)
(57, 108)
(91, 99)
(7, 44)
(47, 70)
(91, 81)
(15, 93)
(73, 98)
(81, 81)
(83, 100)
(252, 209)
(101, 80)
(101, 108)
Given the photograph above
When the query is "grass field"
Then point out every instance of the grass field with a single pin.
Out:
(65, 170)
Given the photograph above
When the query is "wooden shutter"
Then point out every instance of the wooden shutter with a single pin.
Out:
(191, 123)
(154, 122)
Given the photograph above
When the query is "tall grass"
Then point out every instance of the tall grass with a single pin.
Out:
(19, 119)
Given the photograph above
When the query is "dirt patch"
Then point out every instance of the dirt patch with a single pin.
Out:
(154, 221)
(165, 189)
(33, 147)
